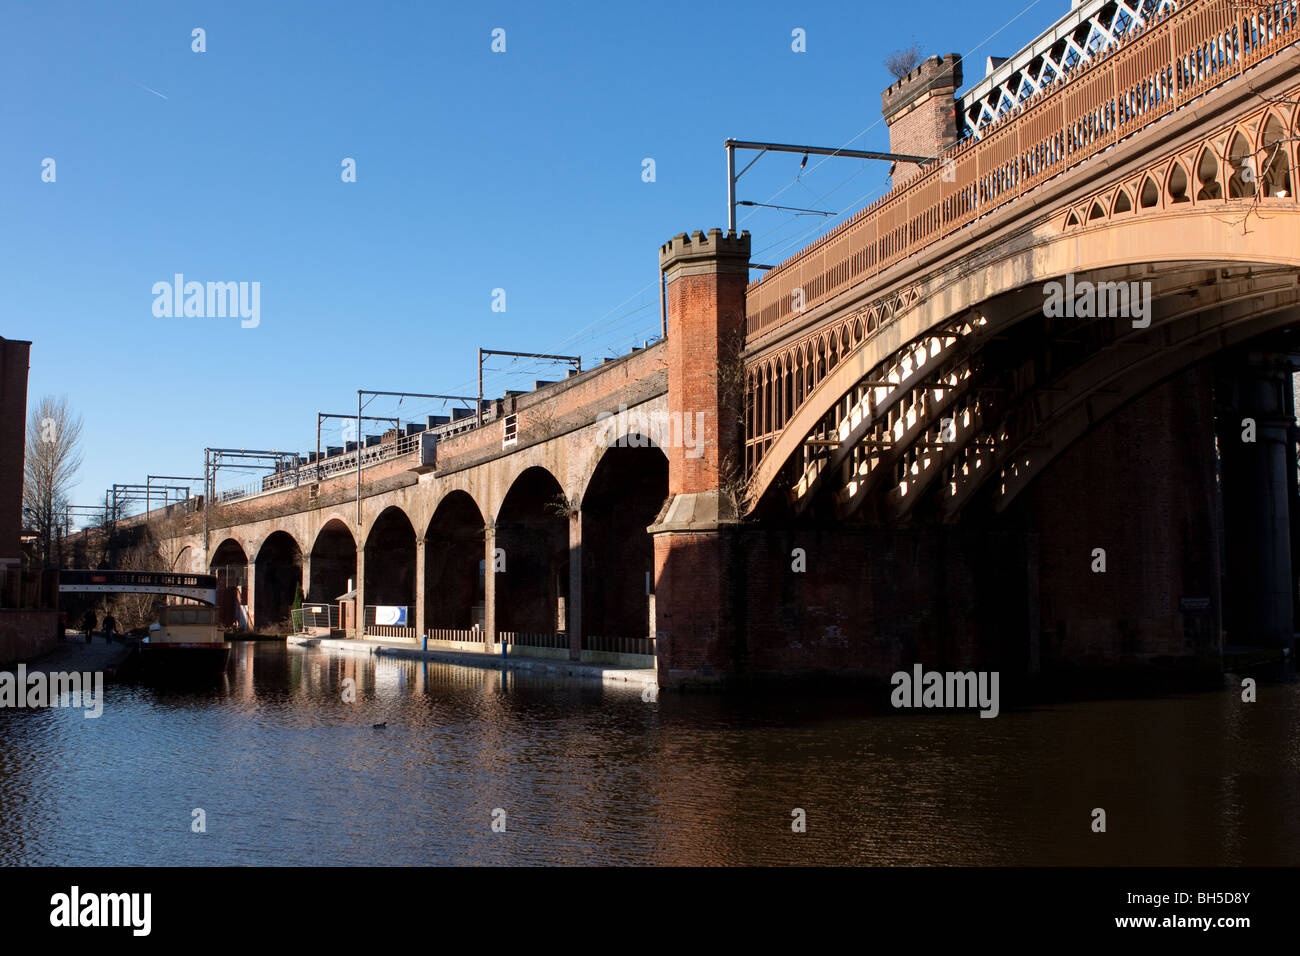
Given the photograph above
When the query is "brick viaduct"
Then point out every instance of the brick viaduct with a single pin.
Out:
(906, 459)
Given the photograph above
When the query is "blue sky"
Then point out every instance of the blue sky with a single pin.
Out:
(475, 171)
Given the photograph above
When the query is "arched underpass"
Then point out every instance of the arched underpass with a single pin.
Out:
(532, 529)
(390, 564)
(1116, 551)
(278, 575)
(453, 565)
(333, 563)
(623, 498)
(229, 564)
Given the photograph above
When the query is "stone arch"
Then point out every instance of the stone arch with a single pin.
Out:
(228, 562)
(1177, 184)
(1241, 184)
(1149, 194)
(230, 552)
(1122, 203)
(455, 565)
(1207, 175)
(278, 574)
(764, 400)
(626, 492)
(787, 363)
(390, 560)
(333, 562)
(183, 559)
(1275, 157)
(532, 530)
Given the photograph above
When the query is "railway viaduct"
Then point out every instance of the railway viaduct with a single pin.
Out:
(911, 448)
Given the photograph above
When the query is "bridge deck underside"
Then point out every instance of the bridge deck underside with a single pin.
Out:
(951, 378)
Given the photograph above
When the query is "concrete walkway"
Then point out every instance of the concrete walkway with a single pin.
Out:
(639, 677)
(74, 654)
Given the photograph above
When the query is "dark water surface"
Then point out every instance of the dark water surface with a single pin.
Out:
(290, 774)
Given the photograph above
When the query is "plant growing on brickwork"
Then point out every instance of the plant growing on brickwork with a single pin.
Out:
(904, 61)
(730, 380)
(542, 420)
(733, 484)
(561, 507)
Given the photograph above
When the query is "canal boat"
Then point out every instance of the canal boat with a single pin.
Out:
(184, 644)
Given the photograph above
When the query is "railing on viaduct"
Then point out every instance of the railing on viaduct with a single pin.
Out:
(403, 446)
(1154, 72)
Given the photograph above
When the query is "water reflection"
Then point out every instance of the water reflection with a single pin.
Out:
(290, 773)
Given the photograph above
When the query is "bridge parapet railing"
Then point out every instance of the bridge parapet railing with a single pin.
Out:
(420, 444)
(1153, 72)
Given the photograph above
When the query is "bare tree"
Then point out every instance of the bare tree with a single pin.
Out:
(53, 456)
(904, 61)
(134, 611)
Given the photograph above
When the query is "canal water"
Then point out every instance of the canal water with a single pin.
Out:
(287, 772)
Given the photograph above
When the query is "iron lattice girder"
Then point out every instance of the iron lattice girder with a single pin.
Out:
(984, 326)
(865, 414)
(1174, 343)
(1105, 375)
(1034, 405)
(1033, 408)
(911, 444)
(1091, 29)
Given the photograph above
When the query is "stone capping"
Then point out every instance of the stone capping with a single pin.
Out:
(700, 512)
(699, 254)
(935, 73)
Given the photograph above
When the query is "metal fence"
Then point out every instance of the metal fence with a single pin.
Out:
(557, 640)
(619, 645)
(316, 617)
(1150, 74)
(390, 630)
(447, 635)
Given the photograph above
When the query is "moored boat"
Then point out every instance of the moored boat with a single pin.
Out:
(184, 645)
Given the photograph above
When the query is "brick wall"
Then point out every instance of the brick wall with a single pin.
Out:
(1141, 486)
(555, 409)
(921, 112)
(1017, 599)
(706, 278)
(27, 634)
(14, 357)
